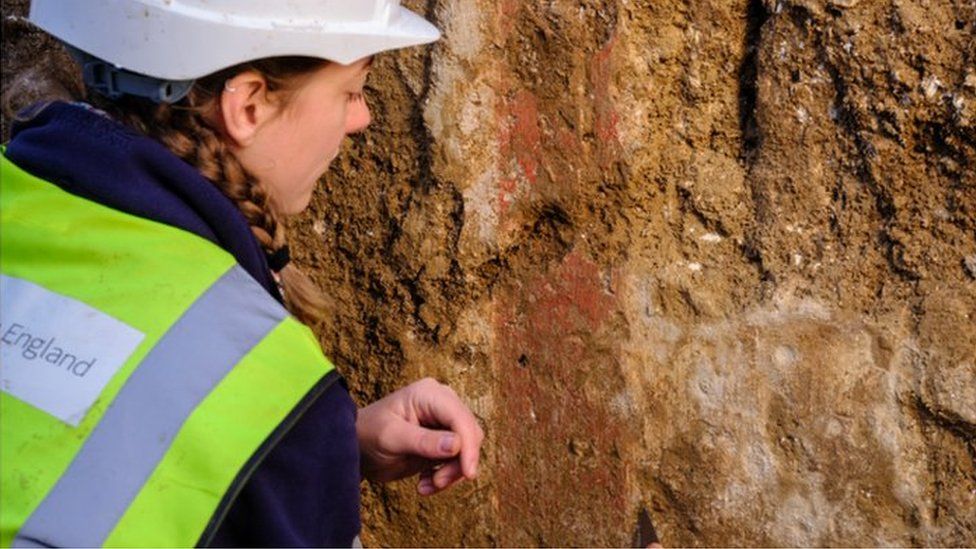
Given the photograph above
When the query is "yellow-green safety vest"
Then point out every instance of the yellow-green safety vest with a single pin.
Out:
(145, 374)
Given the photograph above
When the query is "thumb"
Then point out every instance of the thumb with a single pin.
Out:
(423, 442)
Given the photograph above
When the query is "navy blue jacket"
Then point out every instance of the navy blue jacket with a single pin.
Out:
(306, 491)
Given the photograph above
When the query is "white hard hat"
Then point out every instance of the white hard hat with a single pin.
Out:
(188, 39)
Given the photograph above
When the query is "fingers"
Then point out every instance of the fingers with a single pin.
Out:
(448, 474)
(425, 486)
(408, 439)
(439, 405)
(440, 478)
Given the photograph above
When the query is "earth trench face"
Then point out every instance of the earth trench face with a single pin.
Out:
(715, 259)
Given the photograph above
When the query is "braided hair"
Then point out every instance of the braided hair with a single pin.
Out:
(187, 128)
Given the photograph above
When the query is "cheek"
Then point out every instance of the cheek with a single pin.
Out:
(321, 137)
(316, 145)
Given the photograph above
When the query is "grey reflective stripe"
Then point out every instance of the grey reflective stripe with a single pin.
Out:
(89, 499)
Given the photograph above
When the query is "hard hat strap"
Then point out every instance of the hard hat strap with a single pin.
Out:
(114, 82)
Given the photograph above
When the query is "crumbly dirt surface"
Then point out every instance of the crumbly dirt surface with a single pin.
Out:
(713, 258)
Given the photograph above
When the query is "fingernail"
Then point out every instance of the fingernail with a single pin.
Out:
(440, 481)
(447, 443)
(426, 487)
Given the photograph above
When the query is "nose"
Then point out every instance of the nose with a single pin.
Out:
(357, 115)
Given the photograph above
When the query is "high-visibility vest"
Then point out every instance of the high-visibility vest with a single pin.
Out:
(145, 374)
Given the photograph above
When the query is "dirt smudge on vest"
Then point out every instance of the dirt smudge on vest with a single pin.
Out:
(702, 256)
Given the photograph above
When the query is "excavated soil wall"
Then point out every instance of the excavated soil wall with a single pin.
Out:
(717, 258)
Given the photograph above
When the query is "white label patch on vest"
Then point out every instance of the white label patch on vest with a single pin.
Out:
(57, 353)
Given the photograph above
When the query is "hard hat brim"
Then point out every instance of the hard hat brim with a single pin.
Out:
(147, 43)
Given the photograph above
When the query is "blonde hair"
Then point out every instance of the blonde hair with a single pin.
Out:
(186, 129)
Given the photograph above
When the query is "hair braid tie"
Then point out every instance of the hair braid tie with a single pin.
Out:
(279, 258)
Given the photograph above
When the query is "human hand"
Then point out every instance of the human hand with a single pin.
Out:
(422, 428)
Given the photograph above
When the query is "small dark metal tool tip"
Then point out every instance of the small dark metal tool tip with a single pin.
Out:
(644, 534)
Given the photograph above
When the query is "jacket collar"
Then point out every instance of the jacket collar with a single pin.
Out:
(87, 153)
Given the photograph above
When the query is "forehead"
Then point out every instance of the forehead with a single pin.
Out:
(342, 74)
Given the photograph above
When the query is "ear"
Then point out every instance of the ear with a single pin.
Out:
(245, 106)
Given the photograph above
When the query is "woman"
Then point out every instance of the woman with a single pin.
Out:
(155, 391)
